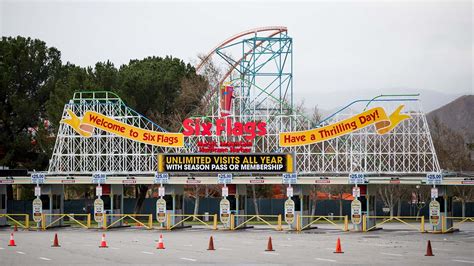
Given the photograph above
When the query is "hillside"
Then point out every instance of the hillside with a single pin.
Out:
(457, 115)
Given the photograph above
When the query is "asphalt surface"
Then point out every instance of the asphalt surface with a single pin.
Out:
(390, 246)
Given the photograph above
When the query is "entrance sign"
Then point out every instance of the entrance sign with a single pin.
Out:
(434, 212)
(289, 211)
(37, 210)
(91, 119)
(434, 178)
(99, 210)
(99, 178)
(383, 124)
(224, 211)
(161, 210)
(356, 192)
(218, 163)
(289, 192)
(37, 191)
(224, 178)
(225, 191)
(356, 211)
(37, 178)
(290, 178)
(434, 193)
(161, 178)
(356, 178)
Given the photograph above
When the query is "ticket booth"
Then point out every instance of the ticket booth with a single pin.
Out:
(174, 197)
(301, 195)
(112, 195)
(3, 204)
(445, 200)
(52, 198)
(367, 199)
(238, 201)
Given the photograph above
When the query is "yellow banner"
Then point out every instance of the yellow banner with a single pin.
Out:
(377, 116)
(91, 119)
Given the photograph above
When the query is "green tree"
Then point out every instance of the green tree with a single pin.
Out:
(27, 68)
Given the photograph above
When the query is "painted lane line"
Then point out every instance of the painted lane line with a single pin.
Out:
(187, 245)
(270, 253)
(114, 248)
(43, 258)
(20, 252)
(146, 252)
(465, 261)
(391, 254)
(1, 248)
(224, 248)
(328, 260)
(188, 259)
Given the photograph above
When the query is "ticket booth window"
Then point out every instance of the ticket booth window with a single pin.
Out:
(45, 201)
(56, 201)
(117, 201)
(3, 200)
(106, 199)
(169, 202)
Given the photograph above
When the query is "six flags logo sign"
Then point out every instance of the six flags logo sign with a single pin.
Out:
(195, 127)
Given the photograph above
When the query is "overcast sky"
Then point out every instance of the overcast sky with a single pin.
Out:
(342, 50)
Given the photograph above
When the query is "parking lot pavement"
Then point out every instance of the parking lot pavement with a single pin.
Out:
(189, 246)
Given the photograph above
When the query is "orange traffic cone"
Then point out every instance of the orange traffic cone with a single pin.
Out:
(56, 242)
(160, 244)
(103, 243)
(211, 244)
(15, 228)
(12, 241)
(338, 246)
(429, 252)
(269, 245)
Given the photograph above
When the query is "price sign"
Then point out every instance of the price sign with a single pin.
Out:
(434, 178)
(37, 210)
(99, 178)
(161, 210)
(225, 191)
(290, 178)
(356, 211)
(99, 210)
(357, 178)
(356, 192)
(289, 211)
(37, 178)
(434, 212)
(224, 211)
(434, 193)
(224, 178)
(289, 192)
(161, 178)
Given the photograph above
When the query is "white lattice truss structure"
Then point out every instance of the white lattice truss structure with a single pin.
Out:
(263, 91)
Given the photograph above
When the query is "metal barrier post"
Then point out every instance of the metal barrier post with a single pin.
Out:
(364, 223)
(232, 222)
(346, 223)
(443, 224)
(88, 220)
(43, 221)
(215, 222)
(27, 221)
(422, 225)
(104, 224)
(168, 221)
(150, 221)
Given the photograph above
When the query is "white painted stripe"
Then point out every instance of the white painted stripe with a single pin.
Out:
(187, 245)
(270, 253)
(224, 249)
(465, 261)
(1, 248)
(113, 248)
(391, 254)
(329, 260)
(146, 252)
(43, 258)
(188, 259)
(19, 252)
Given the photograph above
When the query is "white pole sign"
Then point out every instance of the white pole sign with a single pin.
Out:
(224, 210)
(98, 191)
(161, 191)
(434, 212)
(37, 191)
(99, 210)
(161, 210)
(356, 211)
(289, 192)
(356, 192)
(225, 191)
(289, 211)
(434, 193)
(37, 210)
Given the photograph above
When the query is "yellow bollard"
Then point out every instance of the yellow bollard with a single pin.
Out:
(104, 222)
(298, 223)
(232, 222)
(150, 222)
(88, 220)
(43, 221)
(443, 224)
(346, 223)
(279, 222)
(168, 222)
(215, 221)
(27, 221)
(422, 225)
(364, 223)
